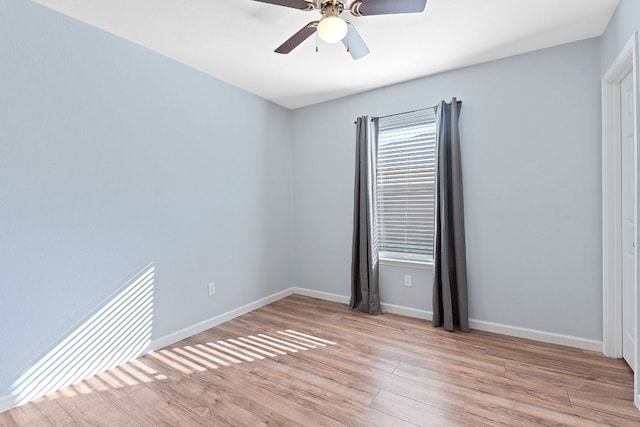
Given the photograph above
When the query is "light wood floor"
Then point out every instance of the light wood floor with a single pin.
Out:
(307, 362)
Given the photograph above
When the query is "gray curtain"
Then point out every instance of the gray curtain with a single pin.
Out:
(364, 261)
(450, 302)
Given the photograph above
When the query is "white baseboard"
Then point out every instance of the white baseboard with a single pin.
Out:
(387, 308)
(321, 295)
(481, 325)
(533, 334)
(158, 343)
(406, 311)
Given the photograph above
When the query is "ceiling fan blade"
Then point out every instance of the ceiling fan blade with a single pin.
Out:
(295, 4)
(354, 43)
(298, 38)
(386, 7)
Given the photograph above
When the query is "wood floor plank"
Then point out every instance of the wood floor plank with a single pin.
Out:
(29, 416)
(510, 412)
(304, 361)
(208, 403)
(93, 409)
(351, 372)
(6, 419)
(303, 372)
(412, 411)
(480, 381)
(52, 413)
(538, 374)
(148, 406)
(612, 407)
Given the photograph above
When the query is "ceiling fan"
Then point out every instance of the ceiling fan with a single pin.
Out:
(332, 28)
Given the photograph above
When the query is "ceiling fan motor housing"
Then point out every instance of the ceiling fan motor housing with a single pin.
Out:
(331, 8)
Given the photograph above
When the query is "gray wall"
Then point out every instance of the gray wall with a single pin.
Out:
(624, 22)
(530, 129)
(113, 157)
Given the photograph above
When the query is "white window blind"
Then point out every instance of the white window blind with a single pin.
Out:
(406, 185)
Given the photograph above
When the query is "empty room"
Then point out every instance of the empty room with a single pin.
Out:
(319, 212)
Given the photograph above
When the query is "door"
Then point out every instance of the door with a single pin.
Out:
(628, 220)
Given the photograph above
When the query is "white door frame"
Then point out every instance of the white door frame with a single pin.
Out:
(627, 61)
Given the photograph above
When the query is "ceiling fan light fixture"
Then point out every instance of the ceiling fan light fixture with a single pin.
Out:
(332, 29)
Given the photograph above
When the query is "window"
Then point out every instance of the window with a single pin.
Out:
(406, 186)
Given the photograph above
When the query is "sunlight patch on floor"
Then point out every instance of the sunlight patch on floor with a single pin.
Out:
(224, 353)
(194, 358)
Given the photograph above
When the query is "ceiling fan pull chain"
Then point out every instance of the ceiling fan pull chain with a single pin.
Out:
(317, 41)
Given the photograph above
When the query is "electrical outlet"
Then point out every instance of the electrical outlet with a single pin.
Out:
(212, 288)
(407, 280)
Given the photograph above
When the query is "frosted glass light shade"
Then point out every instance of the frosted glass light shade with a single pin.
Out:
(332, 29)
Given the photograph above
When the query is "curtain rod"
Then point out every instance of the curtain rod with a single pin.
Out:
(409, 112)
(404, 112)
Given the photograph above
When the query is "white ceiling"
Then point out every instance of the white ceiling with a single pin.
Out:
(233, 40)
